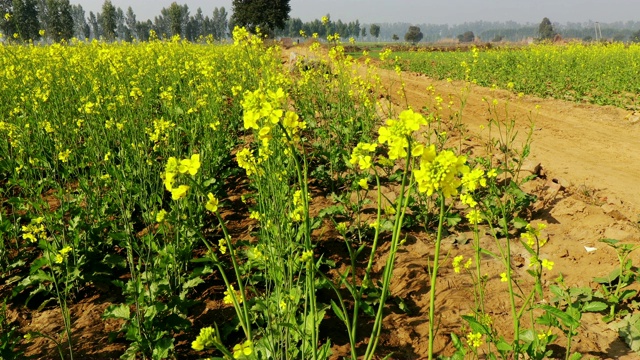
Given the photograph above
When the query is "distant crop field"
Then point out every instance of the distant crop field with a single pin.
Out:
(600, 74)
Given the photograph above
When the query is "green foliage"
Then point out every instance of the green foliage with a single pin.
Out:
(268, 15)
(573, 72)
(545, 30)
(59, 20)
(25, 13)
(466, 37)
(107, 20)
(414, 34)
(374, 30)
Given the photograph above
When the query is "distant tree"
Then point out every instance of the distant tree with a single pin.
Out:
(587, 38)
(545, 30)
(25, 14)
(108, 20)
(635, 37)
(497, 38)
(59, 20)
(96, 30)
(374, 30)
(268, 15)
(81, 29)
(354, 28)
(220, 22)
(121, 28)
(142, 29)
(395, 37)
(414, 35)
(130, 22)
(364, 32)
(197, 24)
(7, 19)
(175, 19)
(466, 37)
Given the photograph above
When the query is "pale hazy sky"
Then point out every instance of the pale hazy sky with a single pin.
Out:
(416, 11)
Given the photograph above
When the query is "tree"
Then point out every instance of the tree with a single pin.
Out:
(175, 19)
(108, 20)
(268, 15)
(374, 30)
(545, 30)
(59, 20)
(81, 29)
(466, 37)
(25, 14)
(635, 37)
(364, 32)
(414, 34)
(130, 22)
(7, 20)
(395, 37)
(121, 28)
(220, 23)
(95, 25)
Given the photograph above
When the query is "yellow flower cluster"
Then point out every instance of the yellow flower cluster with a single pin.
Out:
(229, 295)
(396, 133)
(62, 254)
(474, 340)
(298, 211)
(532, 234)
(174, 168)
(306, 256)
(242, 350)
(457, 263)
(440, 172)
(361, 155)
(158, 133)
(35, 230)
(206, 339)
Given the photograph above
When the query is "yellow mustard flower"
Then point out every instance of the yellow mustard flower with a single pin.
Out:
(161, 215)
(212, 203)
(206, 339)
(179, 192)
(190, 166)
(242, 350)
(363, 183)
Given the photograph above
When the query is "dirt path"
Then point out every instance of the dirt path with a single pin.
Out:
(593, 148)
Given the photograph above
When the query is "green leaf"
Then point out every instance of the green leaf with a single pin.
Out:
(337, 311)
(503, 346)
(565, 318)
(475, 325)
(519, 223)
(575, 356)
(594, 306)
(627, 294)
(609, 279)
(456, 341)
(629, 329)
(162, 348)
(192, 283)
(121, 311)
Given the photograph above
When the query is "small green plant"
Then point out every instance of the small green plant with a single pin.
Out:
(614, 288)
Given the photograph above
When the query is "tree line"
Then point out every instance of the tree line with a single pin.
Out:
(34, 20)
(54, 20)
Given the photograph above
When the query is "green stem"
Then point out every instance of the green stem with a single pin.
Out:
(434, 275)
